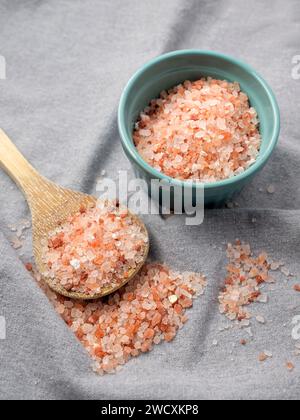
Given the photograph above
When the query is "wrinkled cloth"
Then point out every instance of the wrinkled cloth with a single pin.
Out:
(66, 65)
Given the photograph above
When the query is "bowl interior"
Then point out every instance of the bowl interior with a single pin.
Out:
(172, 69)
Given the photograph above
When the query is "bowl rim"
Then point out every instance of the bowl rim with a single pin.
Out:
(131, 149)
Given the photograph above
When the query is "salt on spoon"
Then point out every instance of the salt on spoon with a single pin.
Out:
(53, 206)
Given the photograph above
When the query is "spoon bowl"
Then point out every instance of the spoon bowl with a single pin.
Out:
(50, 206)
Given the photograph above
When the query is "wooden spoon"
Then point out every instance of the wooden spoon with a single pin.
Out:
(50, 206)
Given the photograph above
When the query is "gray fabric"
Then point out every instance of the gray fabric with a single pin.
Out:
(67, 62)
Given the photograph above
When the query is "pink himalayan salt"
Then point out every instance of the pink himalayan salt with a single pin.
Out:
(246, 275)
(262, 357)
(203, 130)
(290, 366)
(118, 328)
(94, 249)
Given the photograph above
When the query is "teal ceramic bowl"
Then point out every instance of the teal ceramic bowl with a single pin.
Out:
(173, 68)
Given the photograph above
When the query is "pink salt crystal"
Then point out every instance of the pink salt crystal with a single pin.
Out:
(112, 331)
(203, 130)
(262, 357)
(275, 266)
(290, 366)
(60, 309)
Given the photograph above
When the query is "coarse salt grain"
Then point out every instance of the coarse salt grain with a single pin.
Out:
(271, 189)
(262, 357)
(16, 243)
(249, 332)
(260, 319)
(119, 328)
(94, 249)
(173, 299)
(203, 130)
(275, 266)
(290, 366)
(285, 271)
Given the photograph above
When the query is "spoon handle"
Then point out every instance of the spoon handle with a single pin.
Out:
(17, 167)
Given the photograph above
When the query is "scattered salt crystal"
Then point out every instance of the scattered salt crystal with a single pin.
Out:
(263, 298)
(115, 331)
(262, 357)
(271, 189)
(16, 243)
(249, 331)
(265, 355)
(246, 277)
(285, 271)
(290, 366)
(244, 323)
(260, 319)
